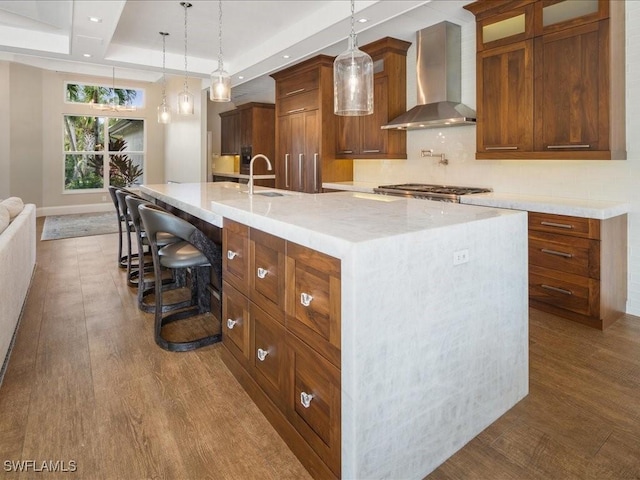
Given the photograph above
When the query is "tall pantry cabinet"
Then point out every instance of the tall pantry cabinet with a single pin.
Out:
(305, 128)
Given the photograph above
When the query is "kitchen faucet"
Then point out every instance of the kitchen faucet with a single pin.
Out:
(429, 153)
(269, 167)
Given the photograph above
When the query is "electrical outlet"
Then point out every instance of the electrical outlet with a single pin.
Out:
(104, 198)
(461, 256)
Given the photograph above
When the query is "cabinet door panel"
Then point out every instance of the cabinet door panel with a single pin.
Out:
(267, 273)
(374, 140)
(235, 259)
(268, 353)
(505, 92)
(313, 401)
(296, 178)
(572, 109)
(283, 153)
(348, 135)
(311, 157)
(235, 323)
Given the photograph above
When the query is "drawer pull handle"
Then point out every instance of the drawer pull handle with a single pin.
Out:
(262, 354)
(296, 110)
(567, 146)
(231, 254)
(500, 148)
(556, 289)
(557, 225)
(231, 323)
(346, 151)
(305, 399)
(555, 252)
(305, 299)
(293, 92)
(262, 272)
(370, 151)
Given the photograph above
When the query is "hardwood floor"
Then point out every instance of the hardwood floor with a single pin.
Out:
(86, 383)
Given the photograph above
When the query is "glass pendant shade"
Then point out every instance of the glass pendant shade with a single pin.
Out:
(185, 102)
(353, 82)
(164, 113)
(220, 90)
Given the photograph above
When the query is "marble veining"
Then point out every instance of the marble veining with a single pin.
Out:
(432, 352)
(575, 207)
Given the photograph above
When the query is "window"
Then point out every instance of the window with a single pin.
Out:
(102, 151)
(98, 94)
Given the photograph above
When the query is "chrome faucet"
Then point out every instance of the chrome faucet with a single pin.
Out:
(269, 167)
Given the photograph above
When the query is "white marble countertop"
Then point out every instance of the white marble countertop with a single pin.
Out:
(328, 222)
(364, 187)
(597, 209)
(243, 175)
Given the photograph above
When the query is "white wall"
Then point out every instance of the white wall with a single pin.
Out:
(183, 150)
(602, 180)
(5, 131)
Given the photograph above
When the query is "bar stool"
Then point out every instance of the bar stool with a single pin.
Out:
(146, 286)
(135, 261)
(122, 259)
(196, 253)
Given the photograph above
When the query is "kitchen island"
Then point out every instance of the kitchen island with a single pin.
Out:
(433, 310)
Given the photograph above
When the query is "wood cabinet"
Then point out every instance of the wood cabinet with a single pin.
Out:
(550, 79)
(305, 127)
(249, 125)
(281, 338)
(577, 267)
(361, 136)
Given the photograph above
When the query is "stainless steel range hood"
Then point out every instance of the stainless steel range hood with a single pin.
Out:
(438, 82)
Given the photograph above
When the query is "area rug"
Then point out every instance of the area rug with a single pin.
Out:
(79, 225)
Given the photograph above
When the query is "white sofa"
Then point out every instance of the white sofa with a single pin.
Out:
(17, 261)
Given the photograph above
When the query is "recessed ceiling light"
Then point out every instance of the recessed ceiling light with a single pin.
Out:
(240, 77)
(86, 55)
(95, 19)
(363, 20)
(286, 56)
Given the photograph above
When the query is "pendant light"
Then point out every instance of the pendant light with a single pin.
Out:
(353, 79)
(220, 90)
(113, 105)
(164, 112)
(185, 98)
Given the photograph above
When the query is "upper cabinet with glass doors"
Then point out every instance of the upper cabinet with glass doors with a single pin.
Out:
(550, 79)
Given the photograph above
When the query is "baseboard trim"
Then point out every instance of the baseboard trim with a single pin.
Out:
(71, 209)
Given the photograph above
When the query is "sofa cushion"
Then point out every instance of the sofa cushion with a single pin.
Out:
(14, 205)
(5, 218)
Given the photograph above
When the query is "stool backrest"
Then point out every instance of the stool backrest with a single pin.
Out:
(155, 221)
(133, 203)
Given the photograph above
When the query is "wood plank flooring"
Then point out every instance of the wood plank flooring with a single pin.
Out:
(87, 383)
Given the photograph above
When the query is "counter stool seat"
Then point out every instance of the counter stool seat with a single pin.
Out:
(195, 254)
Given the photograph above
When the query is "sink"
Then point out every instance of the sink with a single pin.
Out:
(269, 194)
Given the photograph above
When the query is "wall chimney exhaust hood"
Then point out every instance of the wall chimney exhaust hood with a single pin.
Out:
(438, 82)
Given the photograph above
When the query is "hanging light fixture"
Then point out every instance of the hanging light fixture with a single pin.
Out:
(353, 79)
(185, 98)
(220, 90)
(113, 105)
(164, 112)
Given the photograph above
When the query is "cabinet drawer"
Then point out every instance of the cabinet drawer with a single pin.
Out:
(579, 256)
(268, 353)
(300, 83)
(571, 292)
(307, 100)
(267, 273)
(235, 256)
(235, 323)
(313, 401)
(313, 305)
(565, 225)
